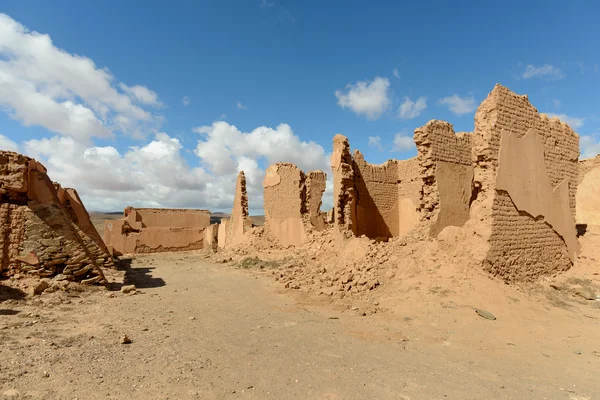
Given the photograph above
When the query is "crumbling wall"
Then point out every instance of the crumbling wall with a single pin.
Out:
(588, 192)
(292, 201)
(231, 231)
(284, 203)
(44, 229)
(316, 182)
(447, 173)
(376, 192)
(153, 230)
(409, 195)
(523, 246)
(344, 196)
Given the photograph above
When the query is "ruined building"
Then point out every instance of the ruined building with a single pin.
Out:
(152, 230)
(514, 179)
(292, 202)
(45, 229)
(231, 230)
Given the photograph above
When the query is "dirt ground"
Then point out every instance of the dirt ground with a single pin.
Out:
(201, 330)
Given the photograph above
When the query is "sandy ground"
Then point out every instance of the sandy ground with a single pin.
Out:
(217, 331)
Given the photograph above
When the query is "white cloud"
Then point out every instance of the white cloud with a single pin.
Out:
(403, 142)
(265, 3)
(155, 175)
(556, 103)
(375, 141)
(571, 121)
(589, 147)
(411, 109)
(240, 106)
(370, 99)
(396, 73)
(7, 144)
(142, 94)
(459, 105)
(66, 93)
(186, 101)
(546, 71)
(224, 150)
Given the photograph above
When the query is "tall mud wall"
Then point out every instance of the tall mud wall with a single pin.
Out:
(523, 245)
(292, 202)
(316, 182)
(410, 185)
(376, 191)
(447, 173)
(231, 231)
(154, 230)
(45, 229)
(344, 196)
(588, 192)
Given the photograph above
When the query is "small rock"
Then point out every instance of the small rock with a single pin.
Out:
(578, 352)
(128, 289)
(60, 277)
(40, 287)
(485, 314)
(585, 293)
(125, 340)
(192, 318)
(46, 374)
(10, 393)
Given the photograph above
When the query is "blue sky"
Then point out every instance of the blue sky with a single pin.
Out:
(373, 71)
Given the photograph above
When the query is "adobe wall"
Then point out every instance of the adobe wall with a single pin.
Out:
(588, 192)
(374, 200)
(316, 182)
(447, 175)
(153, 230)
(376, 191)
(292, 201)
(45, 229)
(525, 240)
(409, 195)
(231, 230)
(284, 202)
(344, 196)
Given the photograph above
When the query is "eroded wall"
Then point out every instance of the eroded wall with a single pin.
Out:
(344, 196)
(588, 192)
(523, 246)
(231, 230)
(45, 229)
(292, 201)
(447, 175)
(152, 230)
(284, 196)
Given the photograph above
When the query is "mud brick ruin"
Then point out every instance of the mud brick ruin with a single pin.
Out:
(514, 179)
(512, 183)
(231, 230)
(151, 230)
(44, 229)
(292, 202)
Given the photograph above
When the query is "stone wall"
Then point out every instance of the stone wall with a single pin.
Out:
(588, 192)
(45, 229)
(231, 231)
(292, 202)
(447, 175)
(522, 244)
(153, 230)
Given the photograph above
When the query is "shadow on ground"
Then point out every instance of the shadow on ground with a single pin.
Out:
(141, 277)
(9, 293)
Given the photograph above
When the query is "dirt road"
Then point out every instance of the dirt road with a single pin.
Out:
(206, 331)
